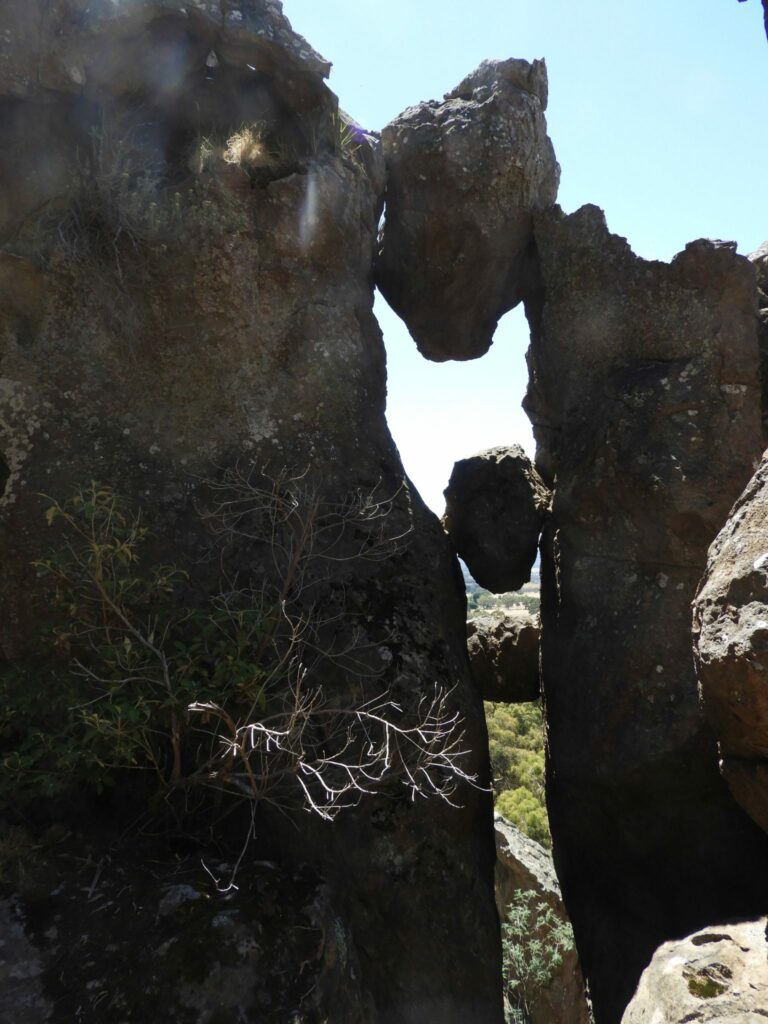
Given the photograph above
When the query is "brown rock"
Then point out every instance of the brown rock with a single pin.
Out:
(645, 400)
(495, 504)
(731, 646)
(718, 975)
(464, 176)
(521, 864)
(504, 655)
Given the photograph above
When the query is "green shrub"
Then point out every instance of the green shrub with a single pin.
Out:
(516, 743)
(534, 940)
(225, 692)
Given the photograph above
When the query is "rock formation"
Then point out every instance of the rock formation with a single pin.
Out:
(504, 655)
(495, 505)
(463, 177)
(719, 974)
(187, 241)
(645, 400)
(731, 640)
(523, 865)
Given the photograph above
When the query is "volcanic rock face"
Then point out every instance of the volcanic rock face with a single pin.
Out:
(523, 865)
(504, 655)
(464, 176)
(186, 248)
(720, 975)
(495, 505)
(645, 400)
(731, 641)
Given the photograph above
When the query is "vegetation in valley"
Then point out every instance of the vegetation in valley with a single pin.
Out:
(516, 739)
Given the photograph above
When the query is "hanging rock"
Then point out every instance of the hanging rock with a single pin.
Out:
(495, 505)
(463, 179)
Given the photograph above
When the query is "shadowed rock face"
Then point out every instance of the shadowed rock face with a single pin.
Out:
(504, 655)
(731, 641)
(645, 400)
(174, 303)
(495, 505)
(464, 176)
(718, 975)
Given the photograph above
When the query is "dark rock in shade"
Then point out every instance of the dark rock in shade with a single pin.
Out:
(151, 343)
(645, 400)
(504, 656)
(464, 176)
(495, 504)
(719, 975)
(759, 260)
(522, 864)
(731, 646)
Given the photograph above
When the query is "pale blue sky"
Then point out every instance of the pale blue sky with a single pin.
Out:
(658, 110)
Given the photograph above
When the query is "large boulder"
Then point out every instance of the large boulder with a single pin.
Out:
(717, 975)
(522, 865)
(645, 397)
(495, 505)
(504, 655)
(463, 177)
(731, 641)
(186, 312)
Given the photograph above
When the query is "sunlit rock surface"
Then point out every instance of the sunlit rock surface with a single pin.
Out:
(645, 398)
(463, 178)
(186, 250)
(717, 976)
(731, 644)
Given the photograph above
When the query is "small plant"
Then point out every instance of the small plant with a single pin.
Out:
(225, 692)
(534, 941)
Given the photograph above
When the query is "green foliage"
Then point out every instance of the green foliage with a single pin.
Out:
(224, 691)
(534, 940)
(479, 600)
(516, 743)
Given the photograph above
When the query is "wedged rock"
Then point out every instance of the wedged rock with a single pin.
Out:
(645, 397)
(731, 646)
(464, 176)
(495, 505)
(522, 864)
(504, 656)
(185, 292)
(719, 974)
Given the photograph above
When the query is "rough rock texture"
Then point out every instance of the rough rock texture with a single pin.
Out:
(719, 974)
(645, 400)
(759, 260)
(170, 309)
(731, 641)
(495, 505)
(504, 655)
(464, 176)
(522, 864)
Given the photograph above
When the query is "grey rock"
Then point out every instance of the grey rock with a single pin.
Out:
(645, 397)
(731, 642)
(522, 864)
(152, 341)
(464, 176)
(504, 655)
(495, 505)
(719, 974)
